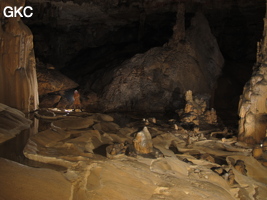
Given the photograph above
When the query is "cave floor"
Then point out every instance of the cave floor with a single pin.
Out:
(92, 156)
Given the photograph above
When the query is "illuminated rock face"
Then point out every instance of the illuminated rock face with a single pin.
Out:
(143, 142)
(50, 81)
(18, 82)
(253, 107)
(195, 111)
(253, 102)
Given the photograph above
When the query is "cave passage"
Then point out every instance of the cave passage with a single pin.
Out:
(138, 100)
(88, 50)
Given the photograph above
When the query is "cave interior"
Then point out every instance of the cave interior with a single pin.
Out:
(83, 44)
(159, 94)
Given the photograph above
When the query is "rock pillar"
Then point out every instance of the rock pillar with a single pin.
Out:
(18, 82)
(253, 102)
(179, 27)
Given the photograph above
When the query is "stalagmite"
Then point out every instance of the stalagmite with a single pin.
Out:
(179, 28)
(195, 111)
(154, 81)
(18, 82)
(253, 102)
(143, 142)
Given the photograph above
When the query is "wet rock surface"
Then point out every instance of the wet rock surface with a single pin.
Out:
(31, 183)
(12, 122)
(175, 163)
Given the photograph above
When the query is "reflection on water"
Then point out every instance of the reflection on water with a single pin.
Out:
(124, 118)
(13, 149)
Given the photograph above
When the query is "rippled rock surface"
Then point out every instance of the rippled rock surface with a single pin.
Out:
(12, 122)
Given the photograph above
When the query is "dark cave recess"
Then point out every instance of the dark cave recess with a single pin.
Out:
(83, 37)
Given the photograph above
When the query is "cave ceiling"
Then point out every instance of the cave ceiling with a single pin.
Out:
(65, 29)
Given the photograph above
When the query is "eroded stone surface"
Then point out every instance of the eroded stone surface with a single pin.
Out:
(26, 183)
(175, 163)
(12, 122)
(253, 102)
(49, 101)
(50, 80)
(154, 81)
(73, 123)
(143, 142)
(196, 112)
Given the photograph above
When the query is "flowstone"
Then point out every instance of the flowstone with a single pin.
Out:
(143, 142)
(195, 111)
(18, 80)
(253, 102)
(169, 163)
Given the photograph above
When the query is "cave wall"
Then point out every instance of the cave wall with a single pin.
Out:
(18, 82)
(63, 29)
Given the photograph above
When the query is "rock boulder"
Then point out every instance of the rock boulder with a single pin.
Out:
(155, 80)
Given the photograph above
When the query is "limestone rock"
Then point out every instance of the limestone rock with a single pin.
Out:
(104, 117)
(231, 177)
(252, 108)
(12, 122)
(252, 104)
(143, 142)
(73, 123)
(208, 158)
(116, 150)
(155, 80)
(88, 141)
(49, 101)
(195, 111)
(257, 151)
(89, 101)
(160, 179)
(84, 152)
(18, 83)
(241, 167)
(179, 27)
(107, 127)
(254, 181)
(211, 116)
(64, 103)
(32, 183)
(50, 81)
